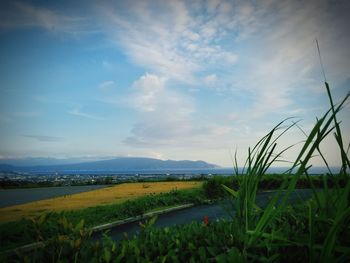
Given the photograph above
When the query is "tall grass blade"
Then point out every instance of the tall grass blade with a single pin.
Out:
(330, 241)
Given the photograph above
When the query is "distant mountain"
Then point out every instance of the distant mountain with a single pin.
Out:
(117, 164)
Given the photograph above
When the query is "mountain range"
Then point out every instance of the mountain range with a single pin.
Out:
(115, 164)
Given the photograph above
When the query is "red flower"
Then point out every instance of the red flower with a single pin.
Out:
(206, 220)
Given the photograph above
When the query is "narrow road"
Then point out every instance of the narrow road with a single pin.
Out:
(223, 210)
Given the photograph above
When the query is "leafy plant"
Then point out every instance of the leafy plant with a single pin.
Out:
(260, 225)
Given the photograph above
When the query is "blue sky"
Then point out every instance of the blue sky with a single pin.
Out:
(166, 79)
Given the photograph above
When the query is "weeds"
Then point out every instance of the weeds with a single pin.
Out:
(332, 211)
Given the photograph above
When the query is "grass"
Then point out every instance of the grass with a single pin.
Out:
(261, 228)
(115, 194)
(213, 186)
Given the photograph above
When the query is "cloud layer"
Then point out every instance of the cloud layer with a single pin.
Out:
(200, 75)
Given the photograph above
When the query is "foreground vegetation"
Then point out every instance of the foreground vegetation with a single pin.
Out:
(22, 232)
(213, 187)
(314, 231)
(220, 241)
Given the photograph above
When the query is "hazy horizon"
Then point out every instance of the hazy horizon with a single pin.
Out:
(178, 80)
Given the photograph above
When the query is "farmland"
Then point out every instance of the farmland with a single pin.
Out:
(115, 194)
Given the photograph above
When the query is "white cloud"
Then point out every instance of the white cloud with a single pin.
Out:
(149, 92)
(230, 57)
(259, 54)
(210, 79)
(177, 45)
(106, 85)
(44, 138)
(151, 95)
(154, 133)
(279, 57)
(208, 32)
(27, 114)
(19, 14)
(167, 118)
(79, 113)
(262, 59)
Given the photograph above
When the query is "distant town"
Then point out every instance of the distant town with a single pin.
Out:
(112, 171)
(30, 173)
(20, 179)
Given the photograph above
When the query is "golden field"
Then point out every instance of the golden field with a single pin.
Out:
(115, 194)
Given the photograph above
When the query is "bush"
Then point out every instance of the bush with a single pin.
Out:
(213, 186)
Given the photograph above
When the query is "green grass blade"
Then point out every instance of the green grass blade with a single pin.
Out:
(330, 241)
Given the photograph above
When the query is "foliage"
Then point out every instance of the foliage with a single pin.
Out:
(261, 226)
(219, 241)
(213, 186)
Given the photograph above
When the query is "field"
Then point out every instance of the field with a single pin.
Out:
(115, 194)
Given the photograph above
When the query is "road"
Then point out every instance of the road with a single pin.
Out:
(213, 211)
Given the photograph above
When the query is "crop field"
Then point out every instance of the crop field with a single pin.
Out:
(115, 194)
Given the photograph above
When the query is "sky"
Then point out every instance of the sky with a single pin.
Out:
(177, 80)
